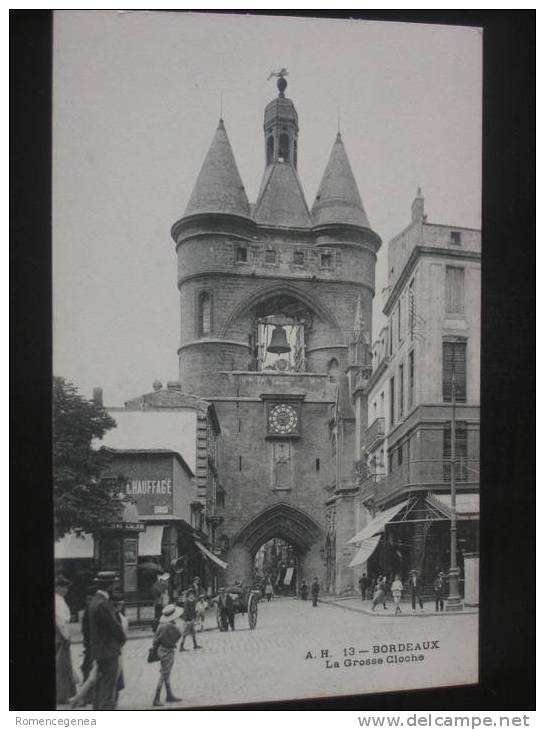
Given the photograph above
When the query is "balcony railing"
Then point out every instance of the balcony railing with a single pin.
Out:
(426, 474)
(375, 433)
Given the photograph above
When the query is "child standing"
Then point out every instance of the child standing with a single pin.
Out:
(200, 608)
(165, 639)
(397, 590)
(189, 615)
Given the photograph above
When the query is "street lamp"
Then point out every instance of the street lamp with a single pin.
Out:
(454, 602)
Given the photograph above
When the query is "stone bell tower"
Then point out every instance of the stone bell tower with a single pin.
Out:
(267, 296)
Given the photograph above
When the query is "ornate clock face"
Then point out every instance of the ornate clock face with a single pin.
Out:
(283, 418)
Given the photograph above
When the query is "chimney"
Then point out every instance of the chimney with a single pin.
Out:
(97, 396)
(174, 385)
(417, 208)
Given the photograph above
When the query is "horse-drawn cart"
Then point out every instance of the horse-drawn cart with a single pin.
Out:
(240, 599)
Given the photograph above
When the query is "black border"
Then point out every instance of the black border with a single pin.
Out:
(507, 613)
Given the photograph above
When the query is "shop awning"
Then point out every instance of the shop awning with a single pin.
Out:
(365, 550)
(149, 541)
(467, 505)
(376, 526)
(73, 546)
(210, 555)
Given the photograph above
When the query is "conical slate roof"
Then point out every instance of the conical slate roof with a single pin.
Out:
(219, 188)
(338, 199)
(281, 201)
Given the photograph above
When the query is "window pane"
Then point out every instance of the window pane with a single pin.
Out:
(454, 361)
(454, 290)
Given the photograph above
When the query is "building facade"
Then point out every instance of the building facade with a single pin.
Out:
(166, 456)
(429, 348)
(268, 296)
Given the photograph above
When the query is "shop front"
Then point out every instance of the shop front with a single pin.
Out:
(415, 535)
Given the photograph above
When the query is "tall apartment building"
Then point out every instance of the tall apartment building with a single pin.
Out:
(430, 344)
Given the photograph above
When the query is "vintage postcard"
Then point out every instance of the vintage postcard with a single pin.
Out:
(266, 283)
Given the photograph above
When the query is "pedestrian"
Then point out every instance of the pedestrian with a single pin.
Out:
(159, 594)
(397, 590)
(269, 592)
(200, 608)
(314, 590)
(119, 604)
(196, 585)
(385, 588)
(438, 589)
(227, 610)
(304, 590)
(87, 661)
(363, 583)
(414, 584)
(379, 595)
(66, 685)
(164, 642)
(189, 615)
(106, 639)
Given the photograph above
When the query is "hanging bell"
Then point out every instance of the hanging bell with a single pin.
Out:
(279, 341)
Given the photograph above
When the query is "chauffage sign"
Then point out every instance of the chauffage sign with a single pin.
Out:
(138, 487)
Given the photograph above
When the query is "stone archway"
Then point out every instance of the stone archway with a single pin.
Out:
(283, 521)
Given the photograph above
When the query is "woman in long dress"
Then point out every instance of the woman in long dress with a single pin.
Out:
(66, 685)
(380, 594)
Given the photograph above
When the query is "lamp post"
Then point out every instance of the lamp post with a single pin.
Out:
(454, 602)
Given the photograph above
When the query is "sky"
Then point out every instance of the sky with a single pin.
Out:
(136, 101)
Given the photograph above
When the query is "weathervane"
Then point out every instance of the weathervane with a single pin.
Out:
(281, 83)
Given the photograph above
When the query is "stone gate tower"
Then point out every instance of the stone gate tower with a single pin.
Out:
(268, 294)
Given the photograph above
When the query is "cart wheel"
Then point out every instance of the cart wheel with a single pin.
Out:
(252, 611)
(218, 616)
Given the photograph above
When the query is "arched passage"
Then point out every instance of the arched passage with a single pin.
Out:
(282, 521)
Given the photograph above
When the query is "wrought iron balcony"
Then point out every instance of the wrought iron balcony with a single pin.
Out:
(427, 474)
(374, 434)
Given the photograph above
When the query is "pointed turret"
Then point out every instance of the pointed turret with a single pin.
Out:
(338, 199)
(281, 201)
(219, 188)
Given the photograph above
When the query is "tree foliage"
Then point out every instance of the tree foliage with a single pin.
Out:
(83, 502)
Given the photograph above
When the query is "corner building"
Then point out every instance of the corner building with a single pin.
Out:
(268, 296)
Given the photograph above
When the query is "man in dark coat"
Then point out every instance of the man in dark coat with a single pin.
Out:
(438, 589)
(363, 583)
(314, 590)
(227, 610)
(106, 639)
(414, 584)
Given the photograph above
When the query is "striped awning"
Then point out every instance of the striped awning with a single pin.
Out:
(210, 555)
(365, 550)
(377, 525)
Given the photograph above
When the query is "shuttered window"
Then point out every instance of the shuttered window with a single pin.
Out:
(460, 468)
(454, 362)
(454, 296)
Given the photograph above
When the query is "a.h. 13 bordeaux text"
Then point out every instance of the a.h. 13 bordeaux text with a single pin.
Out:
(353, 656)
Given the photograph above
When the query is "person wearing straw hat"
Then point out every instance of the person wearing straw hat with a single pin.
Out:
(66, 685)
(164, 641)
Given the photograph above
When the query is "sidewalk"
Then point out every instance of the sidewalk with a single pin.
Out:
(354, 603)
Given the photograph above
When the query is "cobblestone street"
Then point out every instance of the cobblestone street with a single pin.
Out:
(271, 662)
